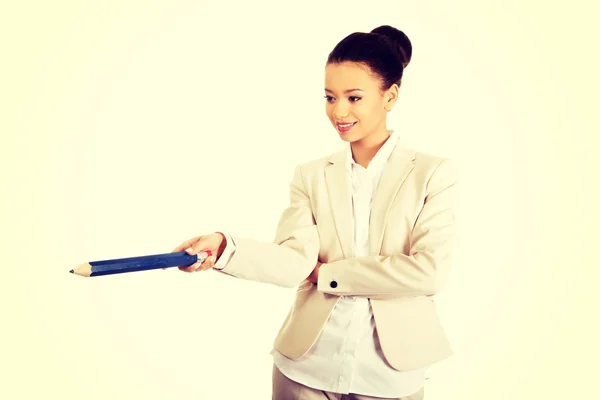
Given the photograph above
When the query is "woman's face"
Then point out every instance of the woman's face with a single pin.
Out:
(355, 104)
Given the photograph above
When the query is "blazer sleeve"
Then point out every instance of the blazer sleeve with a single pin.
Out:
(420, 273)
(292, 255)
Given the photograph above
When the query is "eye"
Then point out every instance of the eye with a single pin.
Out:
(354, 99)
(329, 98)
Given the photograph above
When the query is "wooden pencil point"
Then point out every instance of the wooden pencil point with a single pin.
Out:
(83, 270)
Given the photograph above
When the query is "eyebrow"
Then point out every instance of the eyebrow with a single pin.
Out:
(346, 91)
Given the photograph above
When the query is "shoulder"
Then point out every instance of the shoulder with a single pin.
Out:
(433, 167)
(429, 160)
(316, 165)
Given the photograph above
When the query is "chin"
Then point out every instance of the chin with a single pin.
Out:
(349, 137)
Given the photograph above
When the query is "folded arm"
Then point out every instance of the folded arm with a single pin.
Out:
(420, 273)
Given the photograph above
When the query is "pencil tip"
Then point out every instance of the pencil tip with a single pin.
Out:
(71, 271)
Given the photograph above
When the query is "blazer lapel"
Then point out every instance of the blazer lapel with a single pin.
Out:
(340, 197)
(398, 167)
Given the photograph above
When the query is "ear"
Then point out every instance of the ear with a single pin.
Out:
(390, 96)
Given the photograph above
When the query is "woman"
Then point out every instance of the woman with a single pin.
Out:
(367, 239)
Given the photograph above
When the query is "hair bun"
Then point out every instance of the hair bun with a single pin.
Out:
(398, 40)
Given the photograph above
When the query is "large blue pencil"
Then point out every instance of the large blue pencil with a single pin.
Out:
(143, 263)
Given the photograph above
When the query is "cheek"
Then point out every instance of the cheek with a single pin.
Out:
(363, 114)
(329, 110)
(371, 113)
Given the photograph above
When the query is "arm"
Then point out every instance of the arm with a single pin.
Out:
(291, 257)
(423, 271)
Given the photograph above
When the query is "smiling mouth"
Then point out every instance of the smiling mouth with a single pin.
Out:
(343, 128)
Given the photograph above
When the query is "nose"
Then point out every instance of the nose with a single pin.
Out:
(340, 110)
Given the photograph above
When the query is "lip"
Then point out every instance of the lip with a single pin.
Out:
(344, 129)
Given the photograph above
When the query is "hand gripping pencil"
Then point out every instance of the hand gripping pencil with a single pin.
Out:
(143, 263)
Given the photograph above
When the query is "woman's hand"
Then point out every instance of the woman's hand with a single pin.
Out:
(314, 275)
(215, 242)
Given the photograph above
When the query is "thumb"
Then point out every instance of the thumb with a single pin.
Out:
(201, 245)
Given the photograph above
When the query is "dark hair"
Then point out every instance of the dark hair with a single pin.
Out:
(385, 50)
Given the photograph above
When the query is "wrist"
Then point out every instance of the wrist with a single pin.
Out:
(222, 245)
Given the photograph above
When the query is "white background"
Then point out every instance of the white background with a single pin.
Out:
(130, 126)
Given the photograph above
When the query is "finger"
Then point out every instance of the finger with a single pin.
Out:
(186, 244)
(206, 264)
(212, 262)
(197, 265)
(202, 266)
(202, 244)
(190, 268)
(209, 263)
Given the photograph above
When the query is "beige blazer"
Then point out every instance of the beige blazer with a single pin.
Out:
(412, 229)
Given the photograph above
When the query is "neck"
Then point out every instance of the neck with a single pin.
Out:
(364, 150)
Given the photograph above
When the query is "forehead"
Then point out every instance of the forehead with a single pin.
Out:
(340, 77)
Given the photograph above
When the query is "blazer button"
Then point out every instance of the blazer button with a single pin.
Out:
(333, 284)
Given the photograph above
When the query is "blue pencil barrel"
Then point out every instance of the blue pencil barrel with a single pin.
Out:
(143, 263)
